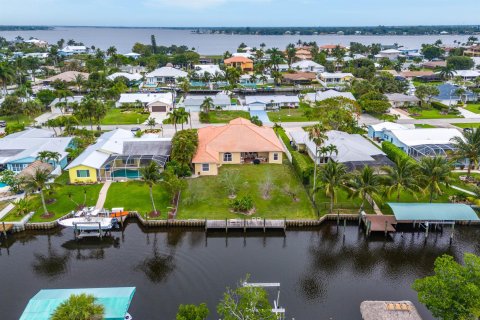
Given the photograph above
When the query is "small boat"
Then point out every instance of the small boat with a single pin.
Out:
(88, 223)
(119, 214)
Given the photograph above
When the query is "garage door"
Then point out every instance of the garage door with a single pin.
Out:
(159, 109)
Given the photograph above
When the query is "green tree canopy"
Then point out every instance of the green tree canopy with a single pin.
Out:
(192, 312)
(460, 63)
(79, 307)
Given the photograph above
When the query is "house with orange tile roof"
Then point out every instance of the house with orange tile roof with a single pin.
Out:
(238, 142)
(329, 47)
(242, 63)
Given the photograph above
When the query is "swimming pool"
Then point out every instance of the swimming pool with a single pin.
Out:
(3, 185)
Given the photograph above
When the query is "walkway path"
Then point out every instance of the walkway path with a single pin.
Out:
(401, 114)
(463, 190)
(469, 114)
(103, 195)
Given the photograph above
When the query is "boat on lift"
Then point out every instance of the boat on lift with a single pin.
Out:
(89, 219)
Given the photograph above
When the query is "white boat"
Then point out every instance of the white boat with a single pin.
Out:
(88, 223)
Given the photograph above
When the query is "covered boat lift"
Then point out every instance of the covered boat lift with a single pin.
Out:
(116, 302)
(428, 214)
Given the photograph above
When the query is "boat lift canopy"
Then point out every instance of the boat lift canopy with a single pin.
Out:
(116, 302)
(433, 212)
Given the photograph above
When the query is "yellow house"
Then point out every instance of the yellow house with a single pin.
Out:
(82, 174)
(242, 63)
(238, 142)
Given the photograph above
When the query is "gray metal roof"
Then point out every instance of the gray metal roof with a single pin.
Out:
(152, 148)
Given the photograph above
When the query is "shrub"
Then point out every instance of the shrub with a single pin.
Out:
(439, 106)
(244, 204)
(393, 152)
(14, 127)
(204, 117)
(302, 166)
(184, 146)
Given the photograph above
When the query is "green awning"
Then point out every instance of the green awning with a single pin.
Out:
(115, 300)
(433, 212)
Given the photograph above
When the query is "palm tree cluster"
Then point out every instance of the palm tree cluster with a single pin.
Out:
(431, 175)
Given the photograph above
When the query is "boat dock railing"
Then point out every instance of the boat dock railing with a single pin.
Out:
(245, 224)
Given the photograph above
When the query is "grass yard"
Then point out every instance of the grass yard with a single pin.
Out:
(430, 114)
(343, 204)
(63, 204)
(135, 196)
(467, 125)
(13, 119)
(288, 115)
(424, 126)
(118, 116)
(473, 107)
(417, 83)
(226, 116)
(463, 184)
(206, 197)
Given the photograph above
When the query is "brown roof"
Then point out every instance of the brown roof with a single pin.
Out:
(300, 76)
(33, 167)
(413, 74)
(240, 135)
(435, 64)
(237, 60)
(331, 46)
(68, 76)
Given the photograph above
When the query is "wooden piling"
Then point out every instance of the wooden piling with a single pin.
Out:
(386, 228)
(4, 230)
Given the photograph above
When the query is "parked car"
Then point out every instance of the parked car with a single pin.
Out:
(135, 130)
(3, 123)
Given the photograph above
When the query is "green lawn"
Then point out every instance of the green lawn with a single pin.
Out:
(206, 197)
(135, 196)
(424, 126)
(226, 116)
(343, 204)
(119, 116)
(62, 203)
(467, 125)
(288, 115)
(430, 114)
(473, 107)
(417, 83)
(13, 119)
(463, 184)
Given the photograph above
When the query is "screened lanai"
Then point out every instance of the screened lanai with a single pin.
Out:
(430, 150)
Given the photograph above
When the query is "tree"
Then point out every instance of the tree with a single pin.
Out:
(332, 176)
(173, 184)
(336, 113)
(426, 92)
(453, 292)
(151, 176)
(46, 97)
(207, 105)
(316, 133)
(7, 74)
(256, 121)
(431, 52)
(185, 86)
(91, 110)
(111, 51)
(291, 53)
(402, 177)
(38, 181)
(79, 307)
(460, 62)
(182, 116)
(435, 174)
(365, 184)
(468, 148)
(49, 156)
(192, 312)
(12, 105)
(230, 180)
(245, 303)
(446, 72)
(151, 122)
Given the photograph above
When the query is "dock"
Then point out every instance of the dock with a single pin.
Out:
(245, 224)
(4, 228)
(379, 223)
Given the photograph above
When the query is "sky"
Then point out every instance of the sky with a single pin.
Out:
(224, 13)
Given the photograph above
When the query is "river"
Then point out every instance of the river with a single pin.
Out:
(124, 38)
(323, 274)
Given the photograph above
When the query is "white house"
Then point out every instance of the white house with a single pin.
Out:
(377, 131)
(212, 69)
(353, 150)
(257, 103)
(337, 78)
(129, 76)
(192, 103)
(133, 69)
(399, 100)
(467, 75)
(419, 143)
(323, 95)
(391, 54)
(164, 75)
(71, 50)
(132, 55)
(154, 102)
(308, 66)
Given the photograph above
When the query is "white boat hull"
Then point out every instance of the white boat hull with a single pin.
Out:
(90, 223)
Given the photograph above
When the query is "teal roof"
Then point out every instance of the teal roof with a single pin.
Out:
(115, 300)
(433, 212)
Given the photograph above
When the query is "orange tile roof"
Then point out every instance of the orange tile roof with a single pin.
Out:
(331, 46)
(237, 59)
(240, 135)
(300, 76)
(412, 74)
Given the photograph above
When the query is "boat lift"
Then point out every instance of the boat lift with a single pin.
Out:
(277, 310)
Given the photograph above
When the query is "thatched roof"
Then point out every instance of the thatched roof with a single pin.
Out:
(33, 167)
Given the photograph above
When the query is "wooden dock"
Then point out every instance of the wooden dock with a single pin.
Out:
(379, 223)
(4, 228)
(245, 224)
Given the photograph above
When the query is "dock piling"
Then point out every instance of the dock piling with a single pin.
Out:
(4, 230)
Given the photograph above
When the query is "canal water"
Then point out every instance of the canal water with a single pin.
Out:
(325, 273)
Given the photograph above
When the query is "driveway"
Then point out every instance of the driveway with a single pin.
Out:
(262, 115)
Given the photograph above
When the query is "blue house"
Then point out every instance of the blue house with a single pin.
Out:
(377, 131)
(448, 95)
(18, 150)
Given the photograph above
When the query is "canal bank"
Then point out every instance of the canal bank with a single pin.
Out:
(325, 272)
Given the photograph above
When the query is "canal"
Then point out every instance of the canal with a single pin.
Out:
(325, 273)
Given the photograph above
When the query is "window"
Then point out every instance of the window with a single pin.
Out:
(83, 173)
(205, 167)
(17, 167)
(275, 156)
(227, 157)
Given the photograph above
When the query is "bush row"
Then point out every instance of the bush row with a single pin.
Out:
(393, 152)
(302, 166)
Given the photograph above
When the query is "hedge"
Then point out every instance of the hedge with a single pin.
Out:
(393, 152)
(302, 166)
(439, 106)
(14, 127)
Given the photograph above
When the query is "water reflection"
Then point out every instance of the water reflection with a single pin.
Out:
(91, 249)
(158, 266)
(52, 264)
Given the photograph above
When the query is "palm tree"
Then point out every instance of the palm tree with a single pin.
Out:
(38, 181)
(365, 183)
(173, 118)
(151, 176)
(7, 74)
(402, 177)
(207, 104)
(79, 307)
(447, 72)
(185, 86)
(79, 80)
(111, 51)
(468, 147)
(291, 54)
(317, 134)
(151, 122)
(435, 172)
(332, 177)
(182, 116)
